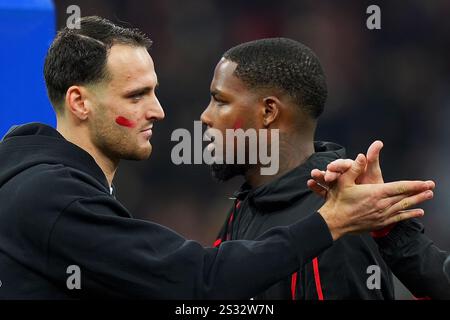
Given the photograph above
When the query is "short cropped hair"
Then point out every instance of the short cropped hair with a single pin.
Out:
(79, 56)
(284, 64)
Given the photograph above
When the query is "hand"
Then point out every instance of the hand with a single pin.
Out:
(372, 173)
(322, 180)
(352, 208)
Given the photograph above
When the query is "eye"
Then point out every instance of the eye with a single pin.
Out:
(218, 101)
(136, 97)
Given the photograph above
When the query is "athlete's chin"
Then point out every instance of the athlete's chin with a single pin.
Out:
(225, 172)
(145, 152)
(142, 153)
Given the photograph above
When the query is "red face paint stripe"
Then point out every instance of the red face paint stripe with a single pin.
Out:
(122, 121)
(237, 124)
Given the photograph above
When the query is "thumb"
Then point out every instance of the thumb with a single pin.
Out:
(358, 167)
(373, 160)
(373, 153)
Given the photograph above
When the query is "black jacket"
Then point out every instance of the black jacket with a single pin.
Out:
(344, 270)
(56, 211)
(415, 260)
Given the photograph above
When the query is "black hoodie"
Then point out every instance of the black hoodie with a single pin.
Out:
(57, 215)
(340, 272)
(356, 266)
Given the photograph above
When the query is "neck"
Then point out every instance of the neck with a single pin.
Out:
(294, 151)
(80, 137)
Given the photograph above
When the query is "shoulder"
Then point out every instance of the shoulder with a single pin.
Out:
(56, 183)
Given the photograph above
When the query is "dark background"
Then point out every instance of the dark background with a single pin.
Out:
(390, 84)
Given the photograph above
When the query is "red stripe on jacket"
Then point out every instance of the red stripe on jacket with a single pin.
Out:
(317, 278)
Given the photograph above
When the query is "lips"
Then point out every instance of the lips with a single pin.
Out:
(147, 132)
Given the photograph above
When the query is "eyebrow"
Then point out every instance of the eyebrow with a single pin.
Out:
(215, 92)
(138, 91)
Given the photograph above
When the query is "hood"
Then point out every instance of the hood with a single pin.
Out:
(32, 144)
(291, 186)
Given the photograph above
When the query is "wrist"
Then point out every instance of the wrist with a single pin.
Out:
(334, 227)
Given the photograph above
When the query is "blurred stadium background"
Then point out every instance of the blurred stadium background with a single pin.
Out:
(391, 84)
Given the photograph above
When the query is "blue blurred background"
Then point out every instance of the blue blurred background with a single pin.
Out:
(27, 28)
(390, 84)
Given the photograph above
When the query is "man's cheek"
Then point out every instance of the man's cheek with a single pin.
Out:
(237, 124)
(125, 122)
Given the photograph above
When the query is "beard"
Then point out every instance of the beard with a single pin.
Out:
(123, 147)
(224, 172)
(118, 143)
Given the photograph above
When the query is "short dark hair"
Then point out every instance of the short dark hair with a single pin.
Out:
(284, 64)
(78, 56)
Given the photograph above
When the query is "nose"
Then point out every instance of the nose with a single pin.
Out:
(155, 112)
(206, 116)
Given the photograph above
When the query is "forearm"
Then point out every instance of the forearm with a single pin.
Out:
(145, 260)
(415, 260)
(272, 257)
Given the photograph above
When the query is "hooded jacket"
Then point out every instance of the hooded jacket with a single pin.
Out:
(63, 235)
(355, 267)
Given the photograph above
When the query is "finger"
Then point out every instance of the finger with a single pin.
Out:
(331, 176)
(358, 167)
(373, 160)
(386, 203)
(409, 202)
(392, 189)
(316, 188)
(431, 184)
(340, 165)
(318, 175)
(403, 215)
(373, 153)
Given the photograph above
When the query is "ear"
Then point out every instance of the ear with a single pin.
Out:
(272, 109)
(76, 102)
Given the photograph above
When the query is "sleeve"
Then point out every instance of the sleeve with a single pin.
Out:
(128, 258)
(415, 260)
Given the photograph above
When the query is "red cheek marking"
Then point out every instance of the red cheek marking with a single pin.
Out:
(122, 121)
(237, 124)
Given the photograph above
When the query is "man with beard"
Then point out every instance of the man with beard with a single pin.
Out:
(279, 84)
(64, 235)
